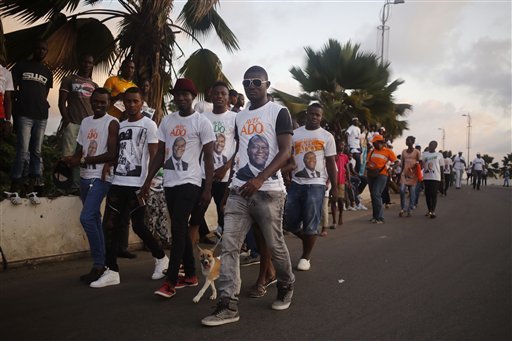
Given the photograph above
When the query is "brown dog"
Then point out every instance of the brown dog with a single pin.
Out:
(210, 267)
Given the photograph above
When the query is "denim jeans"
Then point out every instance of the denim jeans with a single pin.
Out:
(376, 186)
(412, 196)
(92, 193)
(29, 140)
(69, 135)
(265, 208)
(304, 207)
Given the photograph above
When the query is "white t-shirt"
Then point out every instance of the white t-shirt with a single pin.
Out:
(258, 129)
(224, 145)
(353, 133)
(133, 159)
(203, 106)
(310, 148)
(458, 163)
(478, 164)
(93, 137)
(448, 163)
(432, 163)
(184, 138)
(6, 83)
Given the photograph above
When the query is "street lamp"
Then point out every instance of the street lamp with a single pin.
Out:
(444, 137)
(469, 133)
(384, 16)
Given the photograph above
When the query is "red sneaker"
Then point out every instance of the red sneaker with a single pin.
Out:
(187, 282)
(166, 290)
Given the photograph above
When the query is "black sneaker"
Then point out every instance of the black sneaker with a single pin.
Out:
(92, 276)
(126, 254)
(225, 312)
(248, 260)
(284, 296)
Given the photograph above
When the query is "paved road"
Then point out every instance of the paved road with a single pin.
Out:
(409, 279)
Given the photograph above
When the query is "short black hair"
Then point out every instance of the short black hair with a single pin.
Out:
(257, 69)
(134, 90)
(219, 83)
(316, 105)
(233, 92)
(101, 91)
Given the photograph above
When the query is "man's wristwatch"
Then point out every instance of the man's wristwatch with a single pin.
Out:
(82, 161)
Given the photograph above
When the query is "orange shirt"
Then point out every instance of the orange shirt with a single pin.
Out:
(378, 159)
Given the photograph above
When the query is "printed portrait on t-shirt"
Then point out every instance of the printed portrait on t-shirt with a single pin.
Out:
(258, 151)
(91, 151)
(175, 162)
(131, 149)
(309, 170)
(219, 158)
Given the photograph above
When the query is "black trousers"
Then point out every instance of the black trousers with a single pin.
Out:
(122, 203)
(431, 188)
(180, 202)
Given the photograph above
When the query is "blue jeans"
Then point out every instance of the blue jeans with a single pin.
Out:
(304, 205)
(266, 210)
(29, 139)
(376, 186)
(412, 196)
(92, 193)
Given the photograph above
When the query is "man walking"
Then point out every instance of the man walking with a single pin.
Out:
(477, 169)
(137, 147)
(354, 143)
(182, 185)
(99, 131)
(75, 105)
(433, 163)
(257, 195)
(303, 210)
(459, 165)
(32, 82)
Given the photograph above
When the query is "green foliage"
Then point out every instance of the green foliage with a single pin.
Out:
(51, 152)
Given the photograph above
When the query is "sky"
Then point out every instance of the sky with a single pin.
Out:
(454, 56)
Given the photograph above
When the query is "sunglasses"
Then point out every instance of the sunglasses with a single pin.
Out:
(254, 81)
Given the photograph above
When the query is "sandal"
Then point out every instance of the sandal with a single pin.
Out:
(270, 282)
(14, 198)
(34, 199)
(323, 233)
(257, 291)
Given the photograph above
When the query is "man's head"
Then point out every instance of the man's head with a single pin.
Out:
(146, 86)
(40, 50)
(432, 146)
(233, 96)
(314, 115)
(478, 155)
(184, 92)
(256, 84)
(460, 153)
(258, 151)
(86, 65)
(127, 69)
(220, 96)
(220, 142)
(378, 142)
(355, 121)
(310, 161)
(178, 148)
(241, 101)
(409, 141)
(100, 100)
(132, 100)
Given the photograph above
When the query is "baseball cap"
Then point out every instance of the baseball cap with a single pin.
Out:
(62, 175)
(377, 138)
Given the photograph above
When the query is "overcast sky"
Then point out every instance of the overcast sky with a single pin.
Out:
(454, 56)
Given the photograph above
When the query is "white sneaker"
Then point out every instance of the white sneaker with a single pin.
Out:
(34, 199)
(351, 208)
(304, 264)
(362, 207)
(14, 198)
(108, 278)
(161, 266)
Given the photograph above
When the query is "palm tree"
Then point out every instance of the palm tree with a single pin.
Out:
(146, 34)
(347, 82)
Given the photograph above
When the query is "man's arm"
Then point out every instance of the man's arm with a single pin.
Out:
(154, 166)
(8, 105)
(206, 196)
(284, 142)
(63, 109)
(330, 164)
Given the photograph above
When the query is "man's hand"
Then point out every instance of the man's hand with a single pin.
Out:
(143, 194)
(251, 187)
(105, 172)
(220, 172)
(205, 199)
(71, 161)
(333, 193)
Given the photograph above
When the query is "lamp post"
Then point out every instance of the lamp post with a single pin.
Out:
(469, 133)
(444, 137)
(384, 16)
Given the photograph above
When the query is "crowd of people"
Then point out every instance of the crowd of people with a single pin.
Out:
(267, 175)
